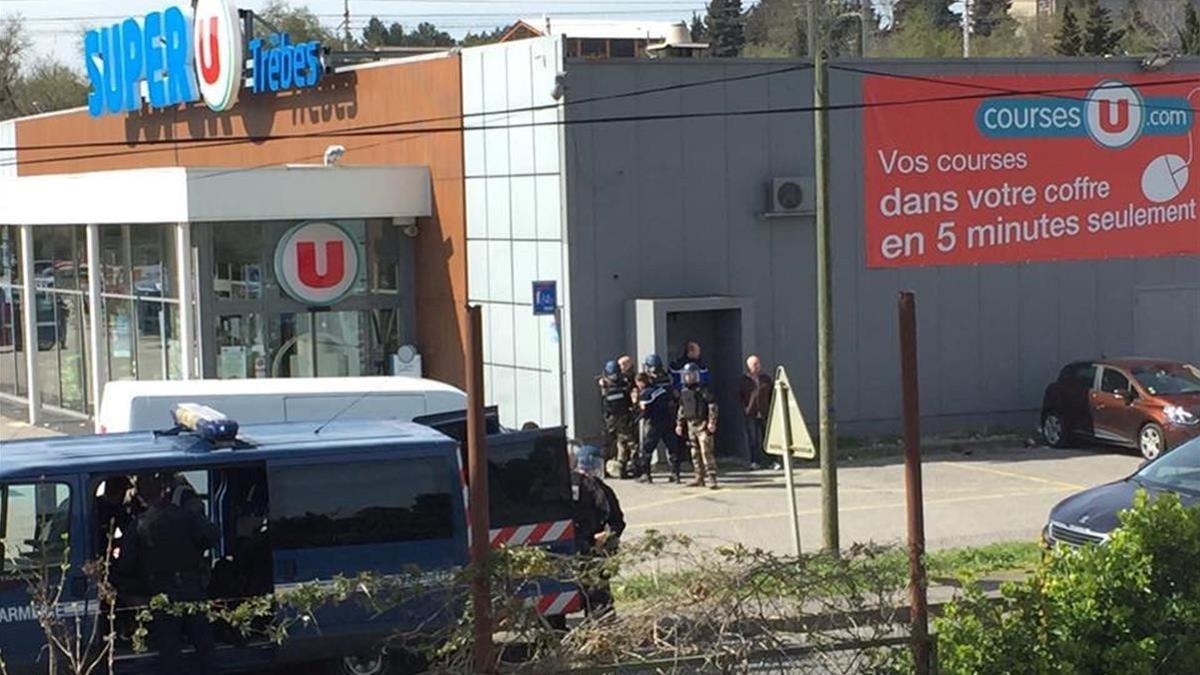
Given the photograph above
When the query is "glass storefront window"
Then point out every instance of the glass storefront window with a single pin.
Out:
(152, 252)
(118, 322)
(12, 352)
(382, 257)
(238, 260)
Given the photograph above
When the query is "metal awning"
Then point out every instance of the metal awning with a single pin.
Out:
(181, 194)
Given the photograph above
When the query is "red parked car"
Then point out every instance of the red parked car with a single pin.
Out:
(1152, 405)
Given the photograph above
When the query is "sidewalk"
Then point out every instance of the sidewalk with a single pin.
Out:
(14, 425)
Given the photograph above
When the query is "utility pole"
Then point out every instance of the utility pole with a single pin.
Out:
(346, 21)
(827, 445)
(966, 28)
(914, 495)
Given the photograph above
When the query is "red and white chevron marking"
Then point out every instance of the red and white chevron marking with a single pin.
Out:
(537, 533)
(566, 602)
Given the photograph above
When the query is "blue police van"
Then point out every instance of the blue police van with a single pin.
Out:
(294, 503)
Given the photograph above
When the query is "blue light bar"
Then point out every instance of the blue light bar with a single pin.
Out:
(208, 423)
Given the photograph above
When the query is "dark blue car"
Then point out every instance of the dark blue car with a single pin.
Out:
(292, 506)
(1089, 516)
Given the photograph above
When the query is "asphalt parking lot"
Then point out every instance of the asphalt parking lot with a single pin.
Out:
(970, 499)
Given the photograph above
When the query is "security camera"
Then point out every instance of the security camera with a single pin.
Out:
(411, 231)
(334, 154)
(560, 87)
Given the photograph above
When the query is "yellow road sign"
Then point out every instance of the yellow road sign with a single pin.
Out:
(785, 424)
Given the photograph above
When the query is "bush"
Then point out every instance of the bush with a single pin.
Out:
(1131, 605)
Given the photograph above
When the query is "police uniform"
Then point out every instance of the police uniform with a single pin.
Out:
(697, 408)
(170, 542)
(673, 442)
(596, 509)
(619, 435)
(656, 417)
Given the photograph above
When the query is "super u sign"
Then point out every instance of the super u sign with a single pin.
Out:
(317, 262)
(169, 58)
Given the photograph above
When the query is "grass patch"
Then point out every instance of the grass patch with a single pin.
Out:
(957, 563)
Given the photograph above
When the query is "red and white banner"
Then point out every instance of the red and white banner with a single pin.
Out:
(999, 169)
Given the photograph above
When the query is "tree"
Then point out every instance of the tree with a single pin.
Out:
(774, 28)
(427, 35)
(377, 34)
(725, 26)
(50, 85)
(696, 28)
(992, 17)
(1139, 36)
(485, 37)
(298, 22)
(921, 36)
(1189, 35)
(13, 42)
(1068, 41)
(935, 13)
(1099, 36)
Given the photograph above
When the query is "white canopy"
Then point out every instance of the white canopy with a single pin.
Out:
(179, 194)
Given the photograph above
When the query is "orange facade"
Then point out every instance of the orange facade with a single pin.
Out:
(406, 113)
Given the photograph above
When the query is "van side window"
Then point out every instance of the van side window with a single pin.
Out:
(361, 503)
(35, 519)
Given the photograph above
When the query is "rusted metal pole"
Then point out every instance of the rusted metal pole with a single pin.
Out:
(481, 592)
(918, 601)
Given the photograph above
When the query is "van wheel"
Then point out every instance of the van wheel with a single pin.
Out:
(381, 662)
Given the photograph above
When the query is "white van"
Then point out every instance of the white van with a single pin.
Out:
(131, 405)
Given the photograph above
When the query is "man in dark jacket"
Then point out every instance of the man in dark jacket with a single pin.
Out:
(168, 546)
(616, 405)
(756, 405)
(599, 523)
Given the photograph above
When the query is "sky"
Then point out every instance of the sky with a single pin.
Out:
(56, 26)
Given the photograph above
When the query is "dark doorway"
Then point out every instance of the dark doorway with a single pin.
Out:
(719, 333)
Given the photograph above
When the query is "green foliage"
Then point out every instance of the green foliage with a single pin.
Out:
(1068, 41)
(1129, 606)
(485, 37)
(1139, 36)
(30, 88)
(724, 25)
(921, 34)
(931, 12)
(990, 17)
(1189, 35)
(299, 22)
(775, 28)
(1100, 38)
(696, 28)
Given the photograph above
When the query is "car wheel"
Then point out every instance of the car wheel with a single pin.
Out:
(1053, 430)
(1151, 441)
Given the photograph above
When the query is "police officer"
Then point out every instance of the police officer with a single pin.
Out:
(698, 419)
(661, 377)
(170, 541)
(654, 405)
(617, 408)
(599, 523)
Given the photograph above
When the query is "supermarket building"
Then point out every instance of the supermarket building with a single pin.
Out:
(670, 200)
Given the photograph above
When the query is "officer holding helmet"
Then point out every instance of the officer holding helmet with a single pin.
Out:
(698, 419)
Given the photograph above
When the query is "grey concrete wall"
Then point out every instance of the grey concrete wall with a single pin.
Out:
(669, 208)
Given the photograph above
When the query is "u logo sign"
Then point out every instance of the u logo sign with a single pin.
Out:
(334, 264)
(317, 263)
(1114, 114)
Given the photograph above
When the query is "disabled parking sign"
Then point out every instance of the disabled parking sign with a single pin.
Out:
(545, 297)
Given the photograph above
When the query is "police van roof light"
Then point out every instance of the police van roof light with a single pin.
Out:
(210, 424)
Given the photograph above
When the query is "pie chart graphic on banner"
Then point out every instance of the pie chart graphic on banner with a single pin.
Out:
(1164, 178)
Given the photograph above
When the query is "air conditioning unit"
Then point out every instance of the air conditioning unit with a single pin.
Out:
(790, 197)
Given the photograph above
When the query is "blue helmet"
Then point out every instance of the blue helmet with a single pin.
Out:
(610, 368)
(690, 374)
(653, 362)
(590, 460)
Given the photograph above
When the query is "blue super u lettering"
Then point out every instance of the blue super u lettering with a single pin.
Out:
(283, 65)
(123, 57)
(1046, 117)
